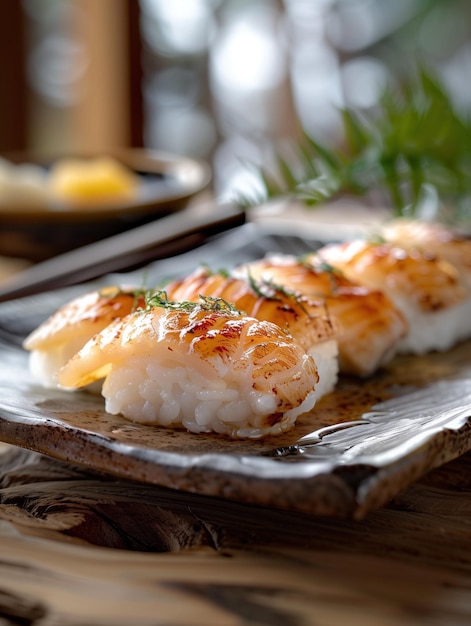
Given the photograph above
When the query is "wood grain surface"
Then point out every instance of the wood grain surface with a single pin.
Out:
(82, 548)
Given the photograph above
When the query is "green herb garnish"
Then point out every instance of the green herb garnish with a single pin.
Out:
(114, 292)
(219, 272)
(413, 152)
(268, 289)
(205, 303)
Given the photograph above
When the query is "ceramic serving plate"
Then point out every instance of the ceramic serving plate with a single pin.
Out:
(360, 446)
(165, 184)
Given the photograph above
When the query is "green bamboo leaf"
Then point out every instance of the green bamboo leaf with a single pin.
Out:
(271, 186)
(357, 135)
(415, 140)
(308, 161)
(286, 173)
(319, 189)
(328, 157)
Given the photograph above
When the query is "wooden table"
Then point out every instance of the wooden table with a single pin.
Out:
(83, 548)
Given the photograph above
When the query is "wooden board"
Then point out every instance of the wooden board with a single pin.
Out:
(353, 452)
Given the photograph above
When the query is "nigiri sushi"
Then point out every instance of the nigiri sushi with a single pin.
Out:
(433, 237)
(204, 367)
(68, 329)
(427, 289)
(310, 323)
(371, 326)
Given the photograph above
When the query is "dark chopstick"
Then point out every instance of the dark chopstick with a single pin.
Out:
(156, 240)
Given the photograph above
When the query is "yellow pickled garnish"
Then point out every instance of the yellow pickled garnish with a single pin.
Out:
(92, 181)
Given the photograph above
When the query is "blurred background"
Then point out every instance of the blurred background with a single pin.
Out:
(222, 80)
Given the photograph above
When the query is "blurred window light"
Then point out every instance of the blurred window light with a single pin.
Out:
(314, 72)
(353, 26)
(364, 79)
(47, 12)
(247, 55)
(177, 27)
(317, 92)
(233, 170)
(454, 73)
(442, 30)
(315, 62)
(172, 87)
(306, 12)
(54, 67)
(55, 59)
(357, 24)
(187, 132)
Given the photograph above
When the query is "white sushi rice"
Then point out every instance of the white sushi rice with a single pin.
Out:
(325, 355)
(438, 330)
(44, 364)
(173, 393)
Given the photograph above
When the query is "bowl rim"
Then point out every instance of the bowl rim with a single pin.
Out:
(189, 177)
